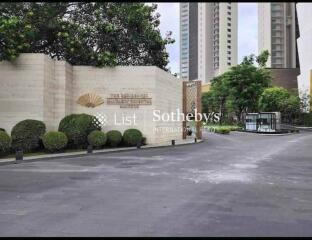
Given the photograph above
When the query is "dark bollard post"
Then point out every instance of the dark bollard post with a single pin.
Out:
(195, 140)
(89, 149)
(172, 142)
(139, 145)
(18, 155)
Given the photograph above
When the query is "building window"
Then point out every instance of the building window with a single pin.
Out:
(229, 30)
(229, 24)
(229, 13)
(229, 18)
(229, 35)
(229, 64)
(229, 52)
(229, 47)
(229, 58)
(229, 7)
(229, 41)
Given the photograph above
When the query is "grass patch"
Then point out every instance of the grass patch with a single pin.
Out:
(223, 129)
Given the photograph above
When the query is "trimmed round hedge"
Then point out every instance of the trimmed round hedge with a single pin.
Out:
(97, 138)
(132, 137)
(5, 143)
(114, 138)
(77, 127)
(54, 141)
(27, 135)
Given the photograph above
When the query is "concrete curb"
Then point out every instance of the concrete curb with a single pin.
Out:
(303, 128)
(84, 153)
(298, 127)
(268, 134)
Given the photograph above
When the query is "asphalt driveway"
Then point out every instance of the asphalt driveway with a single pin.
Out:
(236, 185)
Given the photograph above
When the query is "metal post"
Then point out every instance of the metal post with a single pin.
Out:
(195, 140)
(172, 142)
(138, 145)
(89, 149)
(19, 155)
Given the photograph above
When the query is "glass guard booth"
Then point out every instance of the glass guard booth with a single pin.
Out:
(263, 122)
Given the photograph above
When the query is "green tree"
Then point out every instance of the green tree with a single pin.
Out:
(214, 100)
(220, 94)
(207, 102)
(278, 99)
(237, 91)
(291, 107)
(245, 83)
(262, 58)
(273, 99)
(84, 33)
(14, 36)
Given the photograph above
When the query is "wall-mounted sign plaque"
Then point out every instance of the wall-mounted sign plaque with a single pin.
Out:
(129, 100)
(90, 100)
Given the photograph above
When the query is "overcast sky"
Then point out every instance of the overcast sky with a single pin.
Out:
(247, 30)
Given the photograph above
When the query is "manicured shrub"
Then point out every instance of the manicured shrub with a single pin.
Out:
(2, 129)
(77, 127)
(114, 138)
(5, 143)
(97, 138)
(27, 135)
(223, 130)
(54, 141)
(132, 137)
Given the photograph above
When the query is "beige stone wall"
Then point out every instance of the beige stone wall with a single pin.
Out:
(106, 81)
(164, 89)
(37, 87)
(63, 90)
(168, 99)
(50, 87)
(21, 90)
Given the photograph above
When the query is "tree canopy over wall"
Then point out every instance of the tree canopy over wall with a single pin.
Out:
(84, 33)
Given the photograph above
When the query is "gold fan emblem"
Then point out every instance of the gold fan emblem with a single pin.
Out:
(90, 100)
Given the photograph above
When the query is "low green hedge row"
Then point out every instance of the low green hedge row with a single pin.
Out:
(75, 131)
(235, 128)
(223, 130)
(307, 119)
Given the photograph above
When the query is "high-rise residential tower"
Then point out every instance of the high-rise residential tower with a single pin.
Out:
(277, 33)
(208, 39)
(304, 10)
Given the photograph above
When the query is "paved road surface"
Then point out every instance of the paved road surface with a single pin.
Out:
(235, 185)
